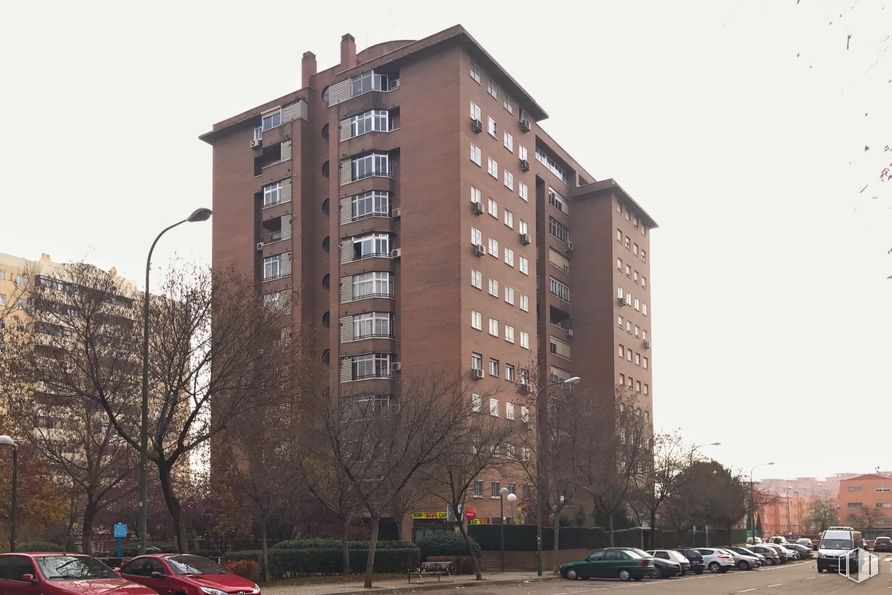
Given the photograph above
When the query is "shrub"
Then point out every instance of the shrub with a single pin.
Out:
(41, 546)
(446, 543)
(290, 562)
(248, 569)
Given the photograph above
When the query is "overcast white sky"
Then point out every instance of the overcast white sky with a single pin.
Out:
(740, 126)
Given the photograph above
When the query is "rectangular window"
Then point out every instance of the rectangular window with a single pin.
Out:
(628, 243)
(619, 264)
(509, 257)
(509, 219)
(619, 235)
(372, 164)
(558, 230)
(629, 354)
(475, 74)
(476, 279)
(371, 324)
(522, 152)
(522, 227)
(509, 295)
(524, 266)
(637, 359)
(272, 194)
(635, 277)
(491, 127)
(477, 407)
(637, 303)
(370, 365)
(628, 270)
(622, 379)
(508, 104)
(375, 203)
(267, 121)
(524, 191)
(509, 375)
(492, 167)
(637, 386)
(644, 309)
(476, 155)
(509, 407)
(493, 207)
(854, 489)
(494, 368)
(524, 340)
(558, 201)
(493, 247)
(492, 88)
(525, 303)
(551, 164)
(559, 289)
(476, 195)
(637, 330)
(509, 180)
(646, 389)
(475, 111)
(525, 416)
(559, 260)
(619, 321)
(476, 361)
(376, 120)
(509, 333)
(370, 81)
(476, 320)
(644, 362)
(493, 287)
(478, 488)
(373, 284)
(643, 281)
(3, 299)
(493, 327)
(558, 347)
(527, 490)
(635, 249)
(275, 266)
(620, 351)
(509, 142)
(476, 237)
(371, 246)
(856, 505)
(643, 255)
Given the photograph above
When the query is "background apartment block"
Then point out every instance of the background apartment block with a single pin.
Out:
(866, 500)
(405, 207)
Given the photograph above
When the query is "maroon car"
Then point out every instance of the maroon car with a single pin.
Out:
(52, 573)
(186, 574)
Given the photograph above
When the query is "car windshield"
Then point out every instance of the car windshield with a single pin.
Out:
(837, 544)
(58, 568)
(636, 553)
(882, 540)
(187, 564)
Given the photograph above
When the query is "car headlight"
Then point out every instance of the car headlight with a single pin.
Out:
(213, 591)
(256, 588)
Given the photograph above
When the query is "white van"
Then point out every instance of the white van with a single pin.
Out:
(837, 542)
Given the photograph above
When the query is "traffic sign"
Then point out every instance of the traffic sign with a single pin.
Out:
(119, 530)
(470, 513)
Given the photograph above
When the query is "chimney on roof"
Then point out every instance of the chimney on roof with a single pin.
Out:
(307, 69)
(348, 51)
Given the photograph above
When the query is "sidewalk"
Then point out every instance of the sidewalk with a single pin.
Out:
(395, 585)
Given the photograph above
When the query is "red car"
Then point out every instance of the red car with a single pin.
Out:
(186, 574)
(52, 573)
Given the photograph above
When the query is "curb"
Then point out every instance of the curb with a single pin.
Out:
(444, 585)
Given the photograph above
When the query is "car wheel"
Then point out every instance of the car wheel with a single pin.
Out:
(724, 569)
(624, 574)
(698, 571)
(572, 575)
(743, 565)
(714, 567)
(637, 578)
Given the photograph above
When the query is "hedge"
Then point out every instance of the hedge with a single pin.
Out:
(323, 543)
(42, 546)
(285, 562)
(446, 543)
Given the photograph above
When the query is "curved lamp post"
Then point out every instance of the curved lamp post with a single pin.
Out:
(569, 381)
(197, 215)
(753, 500)
(8, 441)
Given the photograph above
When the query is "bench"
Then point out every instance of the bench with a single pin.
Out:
(437, 568)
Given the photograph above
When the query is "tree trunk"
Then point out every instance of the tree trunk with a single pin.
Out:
(87, 530)
(653, 527)
(373, 543)
(264, 550)
(557, 539)
(475, 562)
(345, 547)
(610, 526)
(173, 506)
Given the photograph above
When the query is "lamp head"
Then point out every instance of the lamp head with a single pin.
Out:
(6, 440)
(572, 380)
(503, 491)
(512, 498)
(201, 214)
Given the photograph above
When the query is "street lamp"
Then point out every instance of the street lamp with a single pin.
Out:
(8, 441)
(197, 215)
(569, 381)
(511, 498)
(787, 496)
(753, 500)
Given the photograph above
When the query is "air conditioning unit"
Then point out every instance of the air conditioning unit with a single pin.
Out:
(524, 165)
(570, 245)
(396, 366)
(394, 84)
(395, 213)
(479, 250)
(570, 332)
(476, 125)
(646, 344)
(477, 207)
(621, 301)
(396, 253)
(256, 143)
(525, 239)
(525, 125)
(259, 246)
(477, 374)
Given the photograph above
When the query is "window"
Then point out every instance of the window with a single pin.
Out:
(509, 218)
(478, 488)
(629, 354)
(491, 127)
(637, 330)
(371, 324)
(272, 194)
(637, 303)
(622, 379)
(508, 104)
(643, 255)
(637, 386)
(493, 287)
(559, 289)
(621, 351)
(525, 416)
(644, 309)
(549, 162)
(635, 249)
(636, 278)
(494, 367)
(509, 257)
(276, 266)
(509, 375)
(475, 111)
(524, 266)
(559, 260)
(476, 320)
(371, 245)
(509, 333)
(369, 81)
(619, 321)
(373, 284)
(476, 195)
(628, 270)
(492, 88)
(476, 237)
(509, 180)
(493, 327)
(559, 348)
(370, 204)
(524, 191)
(644, 362)
(646, 390)
(882, 489)
(475, 154)
(509, 295)
(373, 164)
(637, 359)
(522, 226)
(856, 505)
(2, 275)
(558, 230)
(476, 361)
(558, 201)
(279, 301)
(376, 120)
(525, 303)
(619, 235)
(268, 121)
(643, 281)
(492, 167)
(493, 247)
(853, 489)
(619, 264)
(509, 142)
(524, 340)
(629, 382)
(475, 74)
(522, 152)
(628, 243)
(493, 207)
(3, 299)
(476, 279)
(509, 407)
(370, 365)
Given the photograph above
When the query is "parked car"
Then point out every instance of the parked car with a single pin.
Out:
(186, 574)
(695, 559)
(54, 573)
(778, 539)
(743, 561)
(623, 563)
(770, 554)
(660, 556)
(748, 552)
(791, 553)
(784, 554)
(882, 544)
(806, 542)
(803, 551)
(716, 560)
(753, 540)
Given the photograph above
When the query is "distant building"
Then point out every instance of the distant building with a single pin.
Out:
(865, 502)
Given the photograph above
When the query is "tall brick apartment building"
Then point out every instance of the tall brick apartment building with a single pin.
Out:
(406, 205)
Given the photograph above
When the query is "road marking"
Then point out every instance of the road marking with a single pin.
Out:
(811, 578)
(748, 590)
(774, 585)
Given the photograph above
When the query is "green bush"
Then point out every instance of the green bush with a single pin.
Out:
(41, 546)
(324, 543)
(446, 543)
(290, 562)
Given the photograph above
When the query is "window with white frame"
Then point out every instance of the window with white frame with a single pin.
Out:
(475, 74)
(525, 418)
(522, 152)
(558, 201)
(476, 361)
(492, 88)
(494, 408)
(371, 164)
(491, 127)
(524, 339)
(494, 367)
(509, 257)
(637, 330)
(476, 195)
(372, 324)
(477, 407)
(509, 142)
(478, 484)
(475, 111)
(643, 281)
(371, 245)
(646, 389)
(376, 120)
(619, 321)
(370, 81)
(559, 289)
(279, 301)
(524, 266)
(620, 351)
(558, 230)
(370, 365)
(492, 167)
(492, 207)
(476, 237)
(509, 180)
(524, 192)
(522, 227)
(637, 359)
(370, 204)
(644, 362)
(525, 303)
(476, 155)
(493, 287)
(509, 333)
(509, 375)
(644, 309)
(272, 194)
(476, 320)
(493, 327)
(275, 266)
(493, 247)
(476, 279)
(508, 104)
(509, 218)
(551, 164)
(268, 121)
(509, 295)
(373, 284)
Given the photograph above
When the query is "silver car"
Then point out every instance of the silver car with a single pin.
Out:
(743, 561)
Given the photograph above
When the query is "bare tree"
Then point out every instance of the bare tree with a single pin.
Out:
(865, 518)
(660, 475)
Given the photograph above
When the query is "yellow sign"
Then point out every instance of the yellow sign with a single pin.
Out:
(480, 522)
(428, 515)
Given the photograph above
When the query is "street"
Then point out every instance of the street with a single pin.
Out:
(801, 577)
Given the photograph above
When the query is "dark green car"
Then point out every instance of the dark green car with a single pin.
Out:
(623, 563)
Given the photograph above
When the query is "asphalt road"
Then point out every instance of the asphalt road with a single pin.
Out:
(796, 577)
